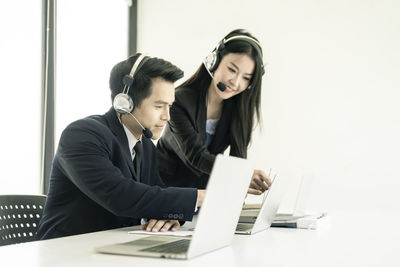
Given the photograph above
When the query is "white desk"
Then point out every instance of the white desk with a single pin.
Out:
(350, 240)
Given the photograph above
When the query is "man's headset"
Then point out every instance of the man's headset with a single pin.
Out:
(123, 103)
(212, 61)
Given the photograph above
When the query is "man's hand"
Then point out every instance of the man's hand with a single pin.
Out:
(200, 197)
(259, 183)
(161, 225)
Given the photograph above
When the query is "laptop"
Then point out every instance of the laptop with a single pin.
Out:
(299, 217)
(255, 217)
(302, 197)
(216, 222)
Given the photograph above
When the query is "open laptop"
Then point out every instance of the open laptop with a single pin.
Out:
(216, 222)
(302, 197)
(298, 217)
(256, 218)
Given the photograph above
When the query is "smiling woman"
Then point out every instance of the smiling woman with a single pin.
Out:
(235, 71)
(215, 108)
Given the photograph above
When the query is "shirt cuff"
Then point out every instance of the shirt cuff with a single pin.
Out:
(195, 204)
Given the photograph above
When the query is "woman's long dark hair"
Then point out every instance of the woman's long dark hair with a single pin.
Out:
(247, 104)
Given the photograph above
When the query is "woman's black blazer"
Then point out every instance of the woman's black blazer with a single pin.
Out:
(183, 158)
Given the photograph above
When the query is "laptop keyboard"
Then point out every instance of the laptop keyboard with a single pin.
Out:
(179, 246)
(244, 227)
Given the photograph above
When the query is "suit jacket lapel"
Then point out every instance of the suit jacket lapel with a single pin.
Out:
(194, 103)
(202, 117)
(118, 130)
(221, 138)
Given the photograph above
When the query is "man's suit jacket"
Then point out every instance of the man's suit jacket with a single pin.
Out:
(93, 185)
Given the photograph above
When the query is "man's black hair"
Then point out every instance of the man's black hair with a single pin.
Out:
(152, 68)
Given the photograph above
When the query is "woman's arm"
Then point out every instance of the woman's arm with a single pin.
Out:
(188, 143)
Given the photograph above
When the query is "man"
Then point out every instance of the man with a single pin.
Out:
(104, 174)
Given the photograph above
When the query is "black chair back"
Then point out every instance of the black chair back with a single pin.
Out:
(19, 217)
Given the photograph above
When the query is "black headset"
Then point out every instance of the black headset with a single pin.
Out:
(123, 103)
(211, 62)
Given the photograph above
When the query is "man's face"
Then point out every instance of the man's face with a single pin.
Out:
(153, 112)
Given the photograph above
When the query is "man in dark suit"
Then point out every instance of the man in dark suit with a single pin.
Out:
(99, 180)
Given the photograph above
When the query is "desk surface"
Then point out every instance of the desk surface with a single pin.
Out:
(348, 240)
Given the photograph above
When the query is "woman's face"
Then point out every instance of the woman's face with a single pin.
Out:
(235, 71)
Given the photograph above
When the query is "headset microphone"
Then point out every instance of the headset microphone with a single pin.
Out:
(221, 86)
(146, 132)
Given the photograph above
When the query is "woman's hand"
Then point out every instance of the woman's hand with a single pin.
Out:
(259, 183)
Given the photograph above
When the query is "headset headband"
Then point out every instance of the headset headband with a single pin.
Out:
(133, 71)
(224, 41)
(255, 44)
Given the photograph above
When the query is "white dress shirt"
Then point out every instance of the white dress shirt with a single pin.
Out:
(131, 141)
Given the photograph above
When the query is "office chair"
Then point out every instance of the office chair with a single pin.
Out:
(19, 217)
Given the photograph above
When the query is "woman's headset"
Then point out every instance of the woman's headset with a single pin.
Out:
(211, 62)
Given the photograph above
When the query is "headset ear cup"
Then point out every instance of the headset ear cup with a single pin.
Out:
(216, 62)
(209, 61)
(217, 53)
(123, 104)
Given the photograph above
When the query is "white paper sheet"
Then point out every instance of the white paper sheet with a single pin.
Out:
(176, 233)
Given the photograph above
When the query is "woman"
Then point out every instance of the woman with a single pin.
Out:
(215, 108)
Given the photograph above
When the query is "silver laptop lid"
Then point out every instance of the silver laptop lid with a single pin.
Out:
(271, 202)
(219, 214)
(303, 193)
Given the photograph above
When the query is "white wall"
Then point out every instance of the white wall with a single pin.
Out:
(329, 95)
(20, 68)
(91, 39)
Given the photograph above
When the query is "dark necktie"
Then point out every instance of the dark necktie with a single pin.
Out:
(138, 158)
